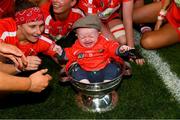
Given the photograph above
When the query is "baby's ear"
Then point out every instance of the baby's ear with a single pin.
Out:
(73, 3)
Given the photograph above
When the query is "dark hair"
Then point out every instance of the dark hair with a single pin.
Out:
(52, 12)
(23, 4)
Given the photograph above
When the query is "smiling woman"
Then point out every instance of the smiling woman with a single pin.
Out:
(25, 32)
(59, 16)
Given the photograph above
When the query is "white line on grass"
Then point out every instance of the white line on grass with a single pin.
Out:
(169, 78)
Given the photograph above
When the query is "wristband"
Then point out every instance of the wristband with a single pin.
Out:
(160, 18)
(162, 14)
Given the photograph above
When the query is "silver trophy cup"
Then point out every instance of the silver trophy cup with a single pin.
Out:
(97, 97)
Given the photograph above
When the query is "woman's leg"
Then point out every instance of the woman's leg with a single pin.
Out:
(147, 14)
(138, 3)
(117, 28)
(163, 37)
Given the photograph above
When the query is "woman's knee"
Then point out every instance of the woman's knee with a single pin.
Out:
(147, 41)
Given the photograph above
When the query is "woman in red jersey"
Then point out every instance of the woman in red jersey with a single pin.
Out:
(25, 32)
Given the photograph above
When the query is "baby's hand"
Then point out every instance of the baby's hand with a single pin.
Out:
(132, 55)
(124, 48)
(58, 49)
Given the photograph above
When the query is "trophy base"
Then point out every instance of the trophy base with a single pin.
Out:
(97, 103)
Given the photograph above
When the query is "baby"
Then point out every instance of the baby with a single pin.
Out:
(92, 53)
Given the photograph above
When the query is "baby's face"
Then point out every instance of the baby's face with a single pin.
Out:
(87, 36)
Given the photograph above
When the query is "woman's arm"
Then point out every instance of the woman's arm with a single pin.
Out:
(36, 82)
(8, 68)
(127, 21)
(13, 83)
(13, 53)
(162, 14)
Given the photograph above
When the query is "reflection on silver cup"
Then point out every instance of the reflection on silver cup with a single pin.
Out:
(97, 97)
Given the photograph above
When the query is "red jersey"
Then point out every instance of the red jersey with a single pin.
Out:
(6, 8)
(106, 9)
(57, 28)
(95, 58)
(8, 35)
(173, 16)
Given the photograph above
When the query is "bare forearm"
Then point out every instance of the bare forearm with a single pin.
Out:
(129, 34)
(8, 68)
(127, 21)
(13, 83)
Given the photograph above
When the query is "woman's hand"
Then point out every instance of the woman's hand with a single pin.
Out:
(39, 80)
(33, 63)
(13, 53)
